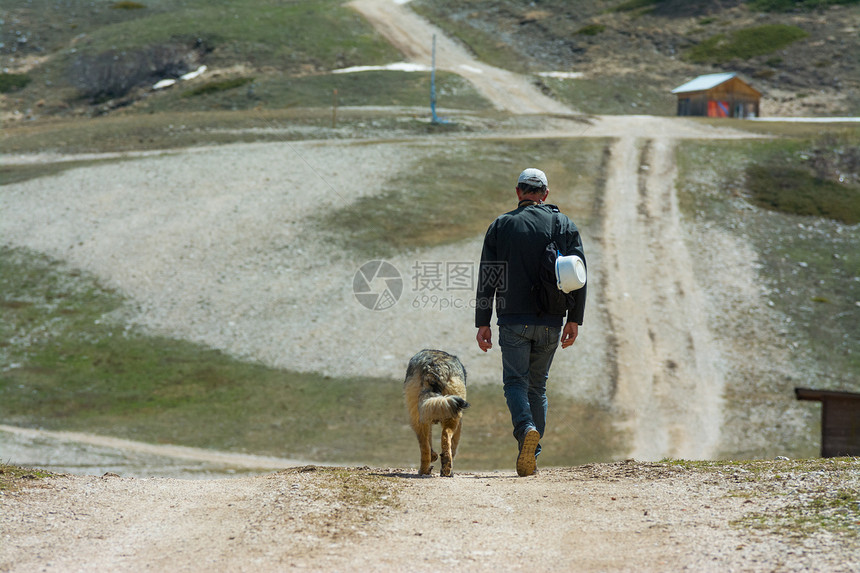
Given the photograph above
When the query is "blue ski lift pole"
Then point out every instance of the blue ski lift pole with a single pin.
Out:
(435, 118)
(433, 83)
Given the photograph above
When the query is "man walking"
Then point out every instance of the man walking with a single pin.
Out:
(528, 337)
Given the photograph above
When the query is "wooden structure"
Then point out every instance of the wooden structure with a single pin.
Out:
(718, 95)
(840, 421)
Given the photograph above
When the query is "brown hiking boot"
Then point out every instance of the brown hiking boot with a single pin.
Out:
(526, 462)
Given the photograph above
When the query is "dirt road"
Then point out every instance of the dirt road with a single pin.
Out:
(669, 379)
(607, 517)
(413, 36)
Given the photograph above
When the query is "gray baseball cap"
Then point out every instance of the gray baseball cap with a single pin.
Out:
(532, 176)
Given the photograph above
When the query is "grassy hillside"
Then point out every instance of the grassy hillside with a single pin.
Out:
(632, 53)
(298, 35)
(798, 200)
(67, 361)
(794, 200)
(417, 211)
(92, 58)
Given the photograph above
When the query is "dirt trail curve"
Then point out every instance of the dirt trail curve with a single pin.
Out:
(413, 36)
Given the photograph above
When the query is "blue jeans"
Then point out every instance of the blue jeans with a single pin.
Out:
(527, 352)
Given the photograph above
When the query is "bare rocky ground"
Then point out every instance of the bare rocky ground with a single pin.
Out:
(625, 516)
(207, 244)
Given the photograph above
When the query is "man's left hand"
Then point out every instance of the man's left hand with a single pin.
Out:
(485, 338)
(569, 334)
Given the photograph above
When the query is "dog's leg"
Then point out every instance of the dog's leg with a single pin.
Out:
(447, 456)
(424, 434)
(455, 439)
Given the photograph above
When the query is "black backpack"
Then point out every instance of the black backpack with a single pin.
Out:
(551, 299)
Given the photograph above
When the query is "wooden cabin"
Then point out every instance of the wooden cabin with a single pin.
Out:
(718, 95)
(840, 421)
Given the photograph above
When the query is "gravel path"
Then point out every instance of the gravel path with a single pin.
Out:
(608, 517)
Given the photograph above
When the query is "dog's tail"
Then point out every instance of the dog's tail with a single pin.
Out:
(434, 407)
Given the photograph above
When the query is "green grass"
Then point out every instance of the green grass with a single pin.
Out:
(68, 362)
(284, 35)
(789, 130)
(591, 30)
(298, 37)
(835, 511)
(10, 174)
(446, 198)
(176, 129)
(809, 263)
(79, 369)
(619, 94)
(634, 5)
(805, 172)
(764, 468)
(818, 178)
(778, 187)
(745, 44)
(13, 82)
(486, 45)
(806, 257)
(798, 261)
(831, 506)
(52, 29)
(282, 91)
(127, 6)
(13, 477)
(820, 494)
(121, 133)
(275, 107)
(793, 5)
(360, 490)
(216, 86)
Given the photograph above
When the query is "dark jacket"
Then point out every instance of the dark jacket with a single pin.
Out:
(509, 265)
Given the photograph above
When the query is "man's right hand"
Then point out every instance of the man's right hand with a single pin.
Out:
(569, 334)
(485, 338)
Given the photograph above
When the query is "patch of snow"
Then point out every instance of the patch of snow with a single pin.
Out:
(163, 84)
(397, 67)
(562, 75)
(472, 69)
(195, 74)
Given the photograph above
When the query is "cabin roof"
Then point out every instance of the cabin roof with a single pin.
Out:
(703, 83)
(811, 394)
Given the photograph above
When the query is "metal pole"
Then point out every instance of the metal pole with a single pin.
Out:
(334, 109)
(433, 83)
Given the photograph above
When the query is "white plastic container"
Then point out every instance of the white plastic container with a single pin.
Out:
(570, 273)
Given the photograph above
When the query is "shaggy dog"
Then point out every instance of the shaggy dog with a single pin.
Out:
(435, 391)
